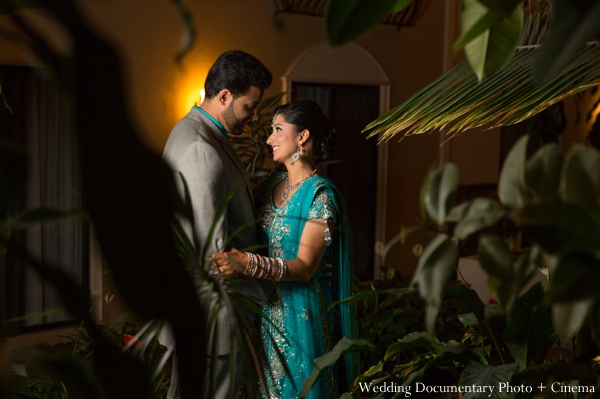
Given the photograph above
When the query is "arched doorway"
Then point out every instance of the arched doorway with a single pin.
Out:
(353, 90)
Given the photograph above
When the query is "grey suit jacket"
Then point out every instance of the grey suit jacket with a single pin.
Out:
(211, 168)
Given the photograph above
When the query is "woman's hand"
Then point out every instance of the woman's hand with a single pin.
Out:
(230, 262)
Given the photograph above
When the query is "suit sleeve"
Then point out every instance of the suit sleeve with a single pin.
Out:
(203, 170)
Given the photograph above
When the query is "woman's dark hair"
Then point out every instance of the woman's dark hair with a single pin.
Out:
(236, 71)
(307, 114)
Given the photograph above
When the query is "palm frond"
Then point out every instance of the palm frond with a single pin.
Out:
(456, 101)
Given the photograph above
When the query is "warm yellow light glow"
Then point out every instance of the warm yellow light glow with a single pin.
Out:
(189, 82)
(201, 96)
(595, 114)
(189, 95)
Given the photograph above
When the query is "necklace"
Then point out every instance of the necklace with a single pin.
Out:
(285, 192)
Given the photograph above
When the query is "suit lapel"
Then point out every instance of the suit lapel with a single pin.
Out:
(227, 148)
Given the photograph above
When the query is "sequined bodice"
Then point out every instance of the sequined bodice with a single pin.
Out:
(274, 225)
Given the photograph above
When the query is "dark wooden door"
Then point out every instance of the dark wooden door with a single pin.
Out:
(350, 108)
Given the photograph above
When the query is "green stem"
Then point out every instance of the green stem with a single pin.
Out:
(77, 338)
(495, 342)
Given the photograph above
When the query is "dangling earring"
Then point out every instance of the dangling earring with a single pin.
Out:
(296, 155)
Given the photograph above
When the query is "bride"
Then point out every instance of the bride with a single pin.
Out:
(303, 221)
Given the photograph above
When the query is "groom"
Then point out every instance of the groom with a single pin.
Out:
(199, 148)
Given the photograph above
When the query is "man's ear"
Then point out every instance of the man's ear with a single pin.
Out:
(224, 97)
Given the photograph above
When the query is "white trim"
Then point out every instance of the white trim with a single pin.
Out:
(308, 68)
(450, 19)
(382, 182)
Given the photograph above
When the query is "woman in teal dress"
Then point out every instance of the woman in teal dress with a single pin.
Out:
(304, 222)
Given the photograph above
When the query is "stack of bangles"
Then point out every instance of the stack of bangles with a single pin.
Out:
(263, 267)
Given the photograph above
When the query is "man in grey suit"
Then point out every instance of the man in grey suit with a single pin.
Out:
(199, 148)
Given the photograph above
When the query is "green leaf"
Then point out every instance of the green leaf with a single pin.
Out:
(4, 99)
(411, 340)
(511, 186)
(542, 173)
(436, 266)
(568, 317)
(480, 27)
(470, 298)
(397, 293)
(480, 214)
(556, 371)
(346, 20)
(77, 375)
(344, 346)
(496, 259)
(590, 158)
(502, 7)
(577, 185)
(440, 193)
(188, 35)
(479, 375)
(572, 23)
(577, 277)
(458, 212)
(40, 215)
(270, 102)
(489, 52)
(517, 333)
(542, 335)
(559, 227)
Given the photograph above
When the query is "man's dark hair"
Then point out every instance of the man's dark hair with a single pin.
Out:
(236, 71)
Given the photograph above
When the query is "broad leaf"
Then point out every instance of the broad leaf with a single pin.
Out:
(346, 20)
(440, 193)
(480, 214)
(344, 346)
(479, 375)
(489, 52)
(577, 185)
(577, 277)
(470, 298)
(558, 227)
(590, 158)
(568, 317)
(511, 186)
(409, 341)
(436, 266)
(572, 23)
(543, 171)
(496, 259)
(517, 333)
(556, 371)
(541, 335)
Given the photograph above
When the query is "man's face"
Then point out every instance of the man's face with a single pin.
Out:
(241, 110)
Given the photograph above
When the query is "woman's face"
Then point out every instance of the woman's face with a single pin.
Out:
(284, 140)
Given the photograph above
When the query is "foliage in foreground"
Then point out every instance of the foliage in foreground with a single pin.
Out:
(554, 201)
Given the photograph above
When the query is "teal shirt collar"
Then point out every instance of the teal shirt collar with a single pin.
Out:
(216, 122)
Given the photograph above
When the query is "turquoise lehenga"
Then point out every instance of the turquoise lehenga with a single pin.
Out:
(302, 327)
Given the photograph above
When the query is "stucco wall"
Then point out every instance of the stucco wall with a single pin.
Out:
(162, 91)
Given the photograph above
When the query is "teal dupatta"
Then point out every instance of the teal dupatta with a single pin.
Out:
(343, 272)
